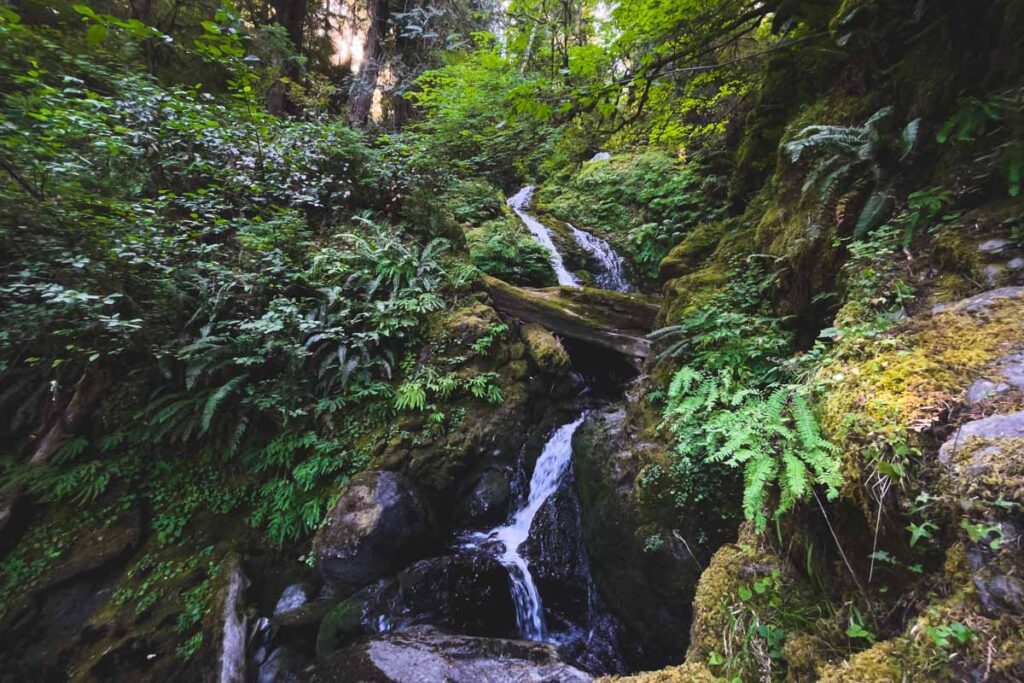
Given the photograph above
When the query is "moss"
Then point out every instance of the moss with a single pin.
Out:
(880, 663)
(544, 349)
(743, 586)
(804, 654)
(886, 391)
(341, 625)
(690, 672)
(683, 258)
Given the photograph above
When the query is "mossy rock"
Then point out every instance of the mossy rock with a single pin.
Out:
(342, 625)
(888, 391)
(683, 258)
(689, 672)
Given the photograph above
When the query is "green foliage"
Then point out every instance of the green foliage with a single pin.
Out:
(995, 125)
(773, 436)
(232, 273)
(860, 158)
(643, 204)
(502, 249)
(735, 331)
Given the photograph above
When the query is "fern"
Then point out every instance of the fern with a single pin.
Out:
(773, 436)
(855, 157)
(215, 399)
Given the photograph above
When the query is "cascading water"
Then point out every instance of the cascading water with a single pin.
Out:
(613, 275)
(520, 202)
(547, 476)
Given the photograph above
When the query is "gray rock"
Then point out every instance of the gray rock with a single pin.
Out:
(292, 598)
(1015, 263)
(980, 302)
(993, 246)
(1000, 592)
(1006, 373)
(995, 428)
(425, 655)
(378, 525)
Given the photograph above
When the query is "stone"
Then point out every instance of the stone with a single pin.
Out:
(467, 592)
(378, 525)
(544, 349)
(292, 598)
(993, 246)
(996, 427)
(422, 654)
(485, 501)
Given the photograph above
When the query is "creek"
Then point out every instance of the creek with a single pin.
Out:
(526, 579)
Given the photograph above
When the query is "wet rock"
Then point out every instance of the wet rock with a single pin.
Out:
(423, 654)
(467, 592)
(379, 524)
(485, 499)
(292, 598)
(649, 592)
(282, 666)
(546, 352)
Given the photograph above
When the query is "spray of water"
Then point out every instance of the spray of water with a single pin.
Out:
(547, 476)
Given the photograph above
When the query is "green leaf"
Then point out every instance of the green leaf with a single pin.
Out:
(96, 34)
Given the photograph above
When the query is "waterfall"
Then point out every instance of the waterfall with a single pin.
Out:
(519, 202)
(547, 476)
(613, 275)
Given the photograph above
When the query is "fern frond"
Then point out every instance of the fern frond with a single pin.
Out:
(214, 401)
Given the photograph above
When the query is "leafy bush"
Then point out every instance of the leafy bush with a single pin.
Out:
(215, 267)
(644, 204)
(501, 248)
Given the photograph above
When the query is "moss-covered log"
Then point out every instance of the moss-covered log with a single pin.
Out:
(612, 320)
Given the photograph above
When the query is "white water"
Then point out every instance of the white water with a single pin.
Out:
(614, 276)
(520, 202)
(547, 476)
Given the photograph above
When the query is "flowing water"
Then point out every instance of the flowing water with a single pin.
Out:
(520, 202)
(612, 275)
(547, 476)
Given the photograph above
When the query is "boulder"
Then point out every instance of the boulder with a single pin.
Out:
(423, 653)
(484, 499)
(546, 352)
(379, 524)
(468, 592)
(985, 473)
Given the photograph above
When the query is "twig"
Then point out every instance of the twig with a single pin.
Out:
(13, 172)
(838, 544)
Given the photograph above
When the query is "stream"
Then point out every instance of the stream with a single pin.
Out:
(611, 271)
(526, 579)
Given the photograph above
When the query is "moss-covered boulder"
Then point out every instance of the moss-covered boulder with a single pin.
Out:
(884, 394)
